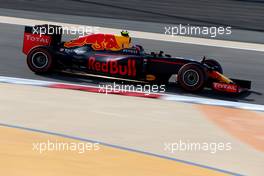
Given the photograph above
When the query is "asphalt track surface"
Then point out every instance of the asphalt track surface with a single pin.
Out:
(241, 14)
(245, 18)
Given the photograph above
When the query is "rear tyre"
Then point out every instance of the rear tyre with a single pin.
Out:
(192, 77)
(40, 60)
(215, 64)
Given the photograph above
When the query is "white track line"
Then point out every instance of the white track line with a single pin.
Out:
(145, 35)
(169, 97)
(214, 102)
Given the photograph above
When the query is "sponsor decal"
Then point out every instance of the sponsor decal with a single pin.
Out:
(113, 67)
(33, 40)
(37, 38)
(225, 87)
(101, 42)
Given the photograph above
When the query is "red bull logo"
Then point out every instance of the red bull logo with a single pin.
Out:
(113, 67)
(101, 42)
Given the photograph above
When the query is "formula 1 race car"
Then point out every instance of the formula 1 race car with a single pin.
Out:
(113, 56)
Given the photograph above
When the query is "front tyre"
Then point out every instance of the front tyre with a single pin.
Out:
(40, 60)
(192, 77)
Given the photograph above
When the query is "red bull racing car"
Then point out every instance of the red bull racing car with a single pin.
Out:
(113, 56)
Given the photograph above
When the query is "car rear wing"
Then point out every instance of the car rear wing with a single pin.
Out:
(41, 35)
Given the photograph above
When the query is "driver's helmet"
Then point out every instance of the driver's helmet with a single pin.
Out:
(125, 33)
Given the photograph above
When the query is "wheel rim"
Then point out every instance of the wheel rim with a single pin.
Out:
(191, 78)
(39, 60)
